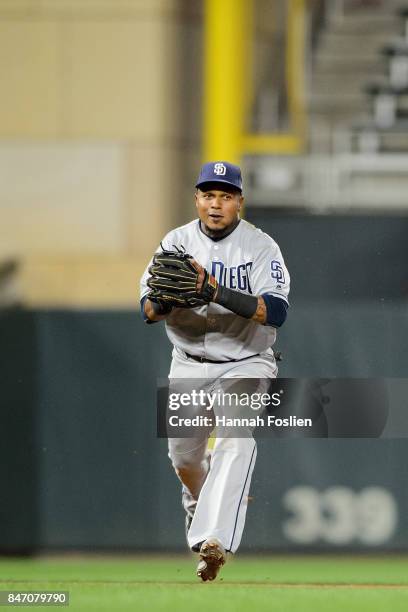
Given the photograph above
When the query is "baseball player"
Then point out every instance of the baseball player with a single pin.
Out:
(222, 287)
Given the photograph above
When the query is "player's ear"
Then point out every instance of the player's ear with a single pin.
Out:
(240, 202)
(196, 198)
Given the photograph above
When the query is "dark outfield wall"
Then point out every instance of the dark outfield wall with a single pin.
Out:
(339, 257)
(81, 466)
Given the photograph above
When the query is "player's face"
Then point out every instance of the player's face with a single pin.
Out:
(218, 209)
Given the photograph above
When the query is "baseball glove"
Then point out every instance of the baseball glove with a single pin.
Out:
(179, 281)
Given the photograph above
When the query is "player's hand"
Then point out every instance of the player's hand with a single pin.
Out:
(206, 285)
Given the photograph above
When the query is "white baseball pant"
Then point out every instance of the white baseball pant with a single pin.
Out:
(216, 487)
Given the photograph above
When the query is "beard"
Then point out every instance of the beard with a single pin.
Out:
(218, 234)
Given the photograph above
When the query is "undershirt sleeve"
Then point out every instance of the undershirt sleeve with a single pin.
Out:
(276, 310)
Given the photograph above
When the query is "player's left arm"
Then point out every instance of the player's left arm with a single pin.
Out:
(270, 310)
(270, 281)
(266, 309)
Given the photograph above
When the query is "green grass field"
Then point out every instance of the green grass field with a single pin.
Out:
(329, 584)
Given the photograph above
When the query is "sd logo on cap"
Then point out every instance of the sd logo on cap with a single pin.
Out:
(220, 172)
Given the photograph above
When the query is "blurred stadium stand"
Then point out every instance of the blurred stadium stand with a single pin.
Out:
(99, 149)
(356, 114)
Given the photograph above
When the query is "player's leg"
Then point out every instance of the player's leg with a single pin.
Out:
(189, 456)
(219, 517)
(222, 504)
(190, 460)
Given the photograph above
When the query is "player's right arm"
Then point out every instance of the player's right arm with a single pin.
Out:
(151, 311)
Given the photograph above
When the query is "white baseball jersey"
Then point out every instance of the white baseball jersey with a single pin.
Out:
(247, 260)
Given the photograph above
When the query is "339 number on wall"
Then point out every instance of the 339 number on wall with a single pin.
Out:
(340, 515)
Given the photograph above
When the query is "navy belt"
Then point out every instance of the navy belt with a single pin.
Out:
(204, 360)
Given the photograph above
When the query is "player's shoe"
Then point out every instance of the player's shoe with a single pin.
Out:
(212, 558)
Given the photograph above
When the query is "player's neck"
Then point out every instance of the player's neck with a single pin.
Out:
(218, 234)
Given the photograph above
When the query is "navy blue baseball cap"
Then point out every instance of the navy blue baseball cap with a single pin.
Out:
(220, 172)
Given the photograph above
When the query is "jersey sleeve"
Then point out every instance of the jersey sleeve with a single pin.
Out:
(269, 274)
